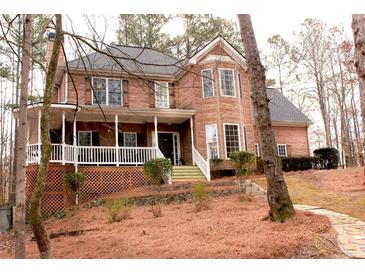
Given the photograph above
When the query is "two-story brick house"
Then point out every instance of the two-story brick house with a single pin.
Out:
(127, 105)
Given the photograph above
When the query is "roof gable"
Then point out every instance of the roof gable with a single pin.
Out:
(227, 47)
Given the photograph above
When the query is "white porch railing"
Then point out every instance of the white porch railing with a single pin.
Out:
(201, 163)
(96, 154)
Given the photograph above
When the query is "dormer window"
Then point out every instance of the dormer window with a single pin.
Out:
(207, 80)
(107, 91)
(227, 83)
(161, 95)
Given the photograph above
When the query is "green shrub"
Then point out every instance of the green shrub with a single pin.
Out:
(298, 163)
(259, 168)
(158, 170)
(216, 164)
(118, 209)
(200, 196)
(243, 163)
(74, 182)
(328, 158)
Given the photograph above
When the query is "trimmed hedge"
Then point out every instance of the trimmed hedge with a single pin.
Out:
(291, 163)
(298, 163)
(328, 157)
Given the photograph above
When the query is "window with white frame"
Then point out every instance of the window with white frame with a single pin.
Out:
(115, 94)
(84, 138)
(257, 150)
(231, 138)
(212, 141)
(107, 91)
(130, 139)
(282, 150)
(208, 88)
(161, 95)
(227, 82)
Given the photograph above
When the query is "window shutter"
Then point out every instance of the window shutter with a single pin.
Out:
(88, 91)
(125, 90)
(172, 95)
(151, 92)
(140, 140)
(95, 138)
(120, 139)
(288, 150)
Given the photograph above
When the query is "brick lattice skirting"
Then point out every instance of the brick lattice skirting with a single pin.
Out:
(100, 180)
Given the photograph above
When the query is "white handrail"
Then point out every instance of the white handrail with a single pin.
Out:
(201, 163)
(62, 153)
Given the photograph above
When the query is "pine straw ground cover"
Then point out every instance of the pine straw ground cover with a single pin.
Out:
(341, 190)
(230, 229)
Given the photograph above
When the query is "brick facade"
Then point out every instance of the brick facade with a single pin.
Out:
(186, 92)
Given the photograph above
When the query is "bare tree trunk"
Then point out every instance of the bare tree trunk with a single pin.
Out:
(38, 226)
(22, 141)
(281, 207)
(358, 28)
(16, 130)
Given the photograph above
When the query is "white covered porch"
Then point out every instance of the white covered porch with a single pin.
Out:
(69, 149)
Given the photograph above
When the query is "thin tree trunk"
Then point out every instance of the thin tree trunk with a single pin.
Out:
(38, 226)
(358, 28)
(22, 141)
(281, 207)
(16, 124)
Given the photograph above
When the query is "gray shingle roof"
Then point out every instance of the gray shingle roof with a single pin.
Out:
(147, 61)
(282, 110)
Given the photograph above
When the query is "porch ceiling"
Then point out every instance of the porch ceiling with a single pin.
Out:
(135, 115)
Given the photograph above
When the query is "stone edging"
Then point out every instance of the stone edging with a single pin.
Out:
(350, 231)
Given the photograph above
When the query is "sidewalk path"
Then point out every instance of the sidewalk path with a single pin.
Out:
(350, 231)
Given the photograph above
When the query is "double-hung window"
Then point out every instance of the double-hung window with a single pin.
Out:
(208, 86)
(161, 95)
(282, 150)
(212, 141)
(130, 139)
(227, 82)
(231, 138)
(84, 138)
(257, 150)
(107, 91)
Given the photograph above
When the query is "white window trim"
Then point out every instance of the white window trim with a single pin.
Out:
(168, 94)
(224, 136)
(257, 150)
(234, 82)
(206, 139)
(107, 90)
(286, 150)
(134, 133)
(78, 136)
(211, 70)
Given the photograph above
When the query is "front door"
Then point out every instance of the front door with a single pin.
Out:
(166, 145)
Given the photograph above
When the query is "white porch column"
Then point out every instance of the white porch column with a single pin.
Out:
(192, 137)
(75, 143)
(39, 136)
(156, 133)
(116, 140)
(63, 136)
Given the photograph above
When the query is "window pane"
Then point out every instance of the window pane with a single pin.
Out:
(212, 141)
(161, 95)
(282, 150)
(84, 138)
(114, 88)
(207, 82)
(99, 88)
(227, 82)
(257, 150)
(232, 139)
(130, 139)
